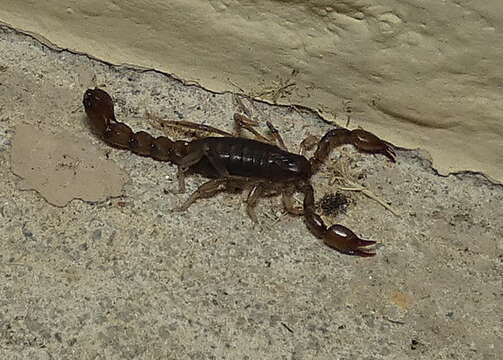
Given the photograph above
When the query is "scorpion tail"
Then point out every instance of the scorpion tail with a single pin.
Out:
(99, 108)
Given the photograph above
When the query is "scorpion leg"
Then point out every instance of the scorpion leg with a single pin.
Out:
(180, 175)
(207, 189)
(216, 163)
(188, 126)
(276, 136)
(361, 139)
(337, 237)
(251, 202)
(193, 158)
(288, 202)
(190, 159)
(244, 122)
(196, 156)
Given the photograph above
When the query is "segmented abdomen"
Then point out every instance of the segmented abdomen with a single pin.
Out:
(252, 158)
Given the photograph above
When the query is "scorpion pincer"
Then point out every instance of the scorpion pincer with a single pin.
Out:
(233, 162)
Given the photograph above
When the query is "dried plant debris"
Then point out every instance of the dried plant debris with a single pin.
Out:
(63, 167)
(344, 180)
(281, 88)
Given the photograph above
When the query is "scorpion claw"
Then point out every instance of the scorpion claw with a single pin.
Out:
(345, 241)
(368, 142)
(389, 152)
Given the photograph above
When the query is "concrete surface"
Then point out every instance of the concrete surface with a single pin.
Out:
(126, 278)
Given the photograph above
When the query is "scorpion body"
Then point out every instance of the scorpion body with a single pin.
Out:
(238, 162)
(244, 157)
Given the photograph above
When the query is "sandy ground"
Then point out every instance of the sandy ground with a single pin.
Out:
(124, 277)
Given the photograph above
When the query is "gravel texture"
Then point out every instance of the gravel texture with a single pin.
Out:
(126, 278)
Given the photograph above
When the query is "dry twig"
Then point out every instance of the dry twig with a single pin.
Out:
(343, 180)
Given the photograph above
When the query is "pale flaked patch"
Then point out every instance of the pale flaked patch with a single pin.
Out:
(62, 167)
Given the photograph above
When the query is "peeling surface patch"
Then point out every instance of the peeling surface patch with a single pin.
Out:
(63, 167)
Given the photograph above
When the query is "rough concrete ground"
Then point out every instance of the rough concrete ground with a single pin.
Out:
(126, 278)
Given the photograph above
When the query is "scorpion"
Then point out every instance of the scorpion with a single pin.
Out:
(230, 161)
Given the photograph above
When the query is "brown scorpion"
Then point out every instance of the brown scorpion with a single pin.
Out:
(233, 162)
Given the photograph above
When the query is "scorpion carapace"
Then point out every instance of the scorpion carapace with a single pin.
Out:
(263, 166)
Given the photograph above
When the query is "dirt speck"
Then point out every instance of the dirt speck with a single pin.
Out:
(401, 300)
(333, 204)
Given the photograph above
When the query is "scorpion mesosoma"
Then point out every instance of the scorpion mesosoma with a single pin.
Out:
(233, 162)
